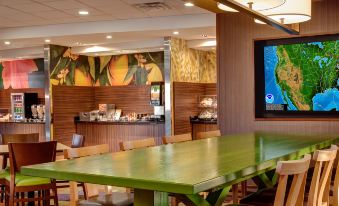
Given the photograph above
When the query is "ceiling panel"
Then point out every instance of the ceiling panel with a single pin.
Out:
(31, 7)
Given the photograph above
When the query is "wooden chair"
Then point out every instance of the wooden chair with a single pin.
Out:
(296, 191)
(319, 193)
(78, 141)
(23, 154)
(177, 138)
(136, 144)
(16, 138)
(335, 197)
(204, 135)
(115, 199)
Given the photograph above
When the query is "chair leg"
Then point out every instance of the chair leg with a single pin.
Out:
(22, 197)
(2, 193)
(235, 193)
(39, 196)
(84, 190)
(244, 188)
(56, 202)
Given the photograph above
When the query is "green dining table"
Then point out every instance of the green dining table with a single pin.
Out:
(187, 168)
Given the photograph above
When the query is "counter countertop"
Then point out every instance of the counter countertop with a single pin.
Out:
(202, 121)
(16, 122)
(120, 122)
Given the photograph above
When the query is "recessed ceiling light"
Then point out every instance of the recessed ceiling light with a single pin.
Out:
(83, 12)
(175, 32)
(47, 40)
(7, 42)
(204, 35)
(108, 37)
(189, 4)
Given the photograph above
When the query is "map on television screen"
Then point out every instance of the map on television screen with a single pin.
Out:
(302, 77)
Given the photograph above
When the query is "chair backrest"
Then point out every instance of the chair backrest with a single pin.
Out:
(19, 138)
(320, 186)
(177, 138)
(297, 168)
(86, 151)
(204, 135)
(336, 185)
(91, 190)
(135, 144)
(78, 141)
(23, 154)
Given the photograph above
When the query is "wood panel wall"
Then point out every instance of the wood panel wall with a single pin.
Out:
(235, 34)
(23, 128)
(113, 134)
(186, 101)
(68, 101)
(5, 96)
(128, 98)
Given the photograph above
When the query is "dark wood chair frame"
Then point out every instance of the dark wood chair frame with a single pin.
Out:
(38, 153)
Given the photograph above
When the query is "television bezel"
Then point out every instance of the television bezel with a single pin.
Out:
(260, 104)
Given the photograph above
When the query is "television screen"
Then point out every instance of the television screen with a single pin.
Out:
(300, 76)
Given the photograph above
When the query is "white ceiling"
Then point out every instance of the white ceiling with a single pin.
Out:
(16, 13)
(27, 23)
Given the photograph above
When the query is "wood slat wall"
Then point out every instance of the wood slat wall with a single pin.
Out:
(23, 128)
(128, 98)
(68, 101)
(5, 96)
(113, 134)
(185, 103)
(235, 34)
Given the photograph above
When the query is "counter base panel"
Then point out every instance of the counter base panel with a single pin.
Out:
(196, 127)
(113, 134)
(23, 128)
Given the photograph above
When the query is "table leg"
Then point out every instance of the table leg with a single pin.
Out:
(150, 198)
(215, 198)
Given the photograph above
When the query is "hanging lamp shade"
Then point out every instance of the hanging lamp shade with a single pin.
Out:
(258, 5)
(293, 11)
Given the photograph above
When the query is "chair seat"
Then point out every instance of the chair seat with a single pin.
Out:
(4, 173)
(114, 199)
(23, 180)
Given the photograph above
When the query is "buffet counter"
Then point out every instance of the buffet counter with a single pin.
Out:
(201, 125)
(112, 133)
(13, 127)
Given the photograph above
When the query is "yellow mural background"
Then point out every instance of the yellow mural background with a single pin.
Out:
(191, 65)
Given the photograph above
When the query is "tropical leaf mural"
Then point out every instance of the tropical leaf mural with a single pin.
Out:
(78, 70)
(19, 74)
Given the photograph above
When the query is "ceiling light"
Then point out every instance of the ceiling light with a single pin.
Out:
(291, 12)
(47, 40)
(209, 43)
(204, 35)
(96, 49)
(7, 42)
(175, 32)
(161, 48)
(189, 4)
(108, 37)
(83, 12)
(258, 5)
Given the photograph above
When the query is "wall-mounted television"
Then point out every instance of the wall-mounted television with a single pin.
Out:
(297, 77)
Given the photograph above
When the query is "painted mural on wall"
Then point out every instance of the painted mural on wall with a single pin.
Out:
(191, 65)
(21, 74)
(115, 70)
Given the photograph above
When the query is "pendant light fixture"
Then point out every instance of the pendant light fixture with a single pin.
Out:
(293, 11)
(257, 5)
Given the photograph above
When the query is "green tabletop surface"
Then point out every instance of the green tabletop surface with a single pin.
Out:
(186, 168)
